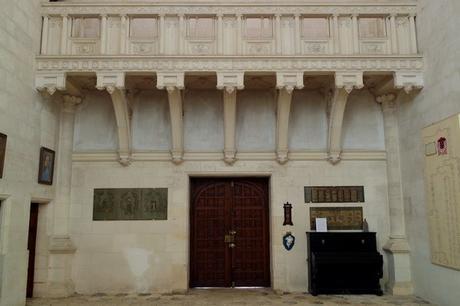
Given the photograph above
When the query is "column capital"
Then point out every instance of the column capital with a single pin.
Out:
(230, 81)
(170, 81)
(393, 15)
(64, 15)
(354, 15)
(408, 80)
(385, 98)
(110, 81)
(297, 15)
(50, 82)
(289, 81)
(349, 80)
(70, 103)
(220, 15)
(103, 15)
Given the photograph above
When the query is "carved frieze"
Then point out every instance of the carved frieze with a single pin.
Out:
(130, 204)
(178, 64)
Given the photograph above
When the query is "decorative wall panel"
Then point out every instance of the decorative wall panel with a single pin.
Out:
(329, 194)
(442, 184)
(338, 218)
(130, 204)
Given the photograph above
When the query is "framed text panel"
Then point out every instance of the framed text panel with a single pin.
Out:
(338, 218)
(334, 194)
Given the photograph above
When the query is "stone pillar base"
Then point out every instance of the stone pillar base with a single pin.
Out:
(400, 278)
(61, 250)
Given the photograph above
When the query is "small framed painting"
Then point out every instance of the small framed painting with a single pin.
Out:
(2, 152)
(46, 166)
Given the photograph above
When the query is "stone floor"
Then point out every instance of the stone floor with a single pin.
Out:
(228, 297)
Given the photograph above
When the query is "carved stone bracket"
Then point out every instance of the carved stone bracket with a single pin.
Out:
(230, 82)
(286, 82)
(50, 82)
(114, 83)
(408, 80)
(174, 83)
(349, 80)
(345, 83)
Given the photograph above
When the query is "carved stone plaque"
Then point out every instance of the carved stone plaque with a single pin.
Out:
(338, 218)
(442, 184)
(331, 194)
(130, 204)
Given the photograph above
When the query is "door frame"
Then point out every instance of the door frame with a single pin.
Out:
(231, 175)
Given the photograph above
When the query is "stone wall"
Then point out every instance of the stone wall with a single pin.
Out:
(95, 129)
(30, 122)
(153, 256)
(439, 42)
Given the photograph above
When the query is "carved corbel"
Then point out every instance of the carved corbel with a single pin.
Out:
(70, 103)
(345, 83)
(408, 80)
(114, 83)
(50, 82)
(285, 83)
(230, 82)
(174, 83)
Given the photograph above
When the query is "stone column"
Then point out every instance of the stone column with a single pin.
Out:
(103, 34)
(162, 34)
(230, 82)
(394, 38)
(285, 83)
(336, 37)
(64, 34)
(124, 33)
(298, 34)
(45, 30)
(174, 83)
(220, 34)
(239, 34)
(413, 34)
(278, 42)
(397, 247)
(60, 246)
(354, 20)
(182, 34)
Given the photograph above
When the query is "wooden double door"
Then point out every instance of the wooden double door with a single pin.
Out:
(229, 232)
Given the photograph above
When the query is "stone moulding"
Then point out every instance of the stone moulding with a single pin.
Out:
(128, 64)
(329, 7)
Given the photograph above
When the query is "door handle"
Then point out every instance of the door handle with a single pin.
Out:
(231, 245)
(229, 238)
(232, 232)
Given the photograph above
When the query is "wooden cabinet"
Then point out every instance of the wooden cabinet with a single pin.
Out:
(344, 262)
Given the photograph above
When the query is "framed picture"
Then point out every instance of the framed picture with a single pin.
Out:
(2, 152)
(46, 166)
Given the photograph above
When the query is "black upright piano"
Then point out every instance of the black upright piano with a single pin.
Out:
(344, 262)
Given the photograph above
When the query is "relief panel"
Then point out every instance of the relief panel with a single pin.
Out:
(338, 218)
(442, 185)
(130, 204)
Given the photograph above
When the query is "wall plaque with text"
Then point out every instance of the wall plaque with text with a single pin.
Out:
(338, 218)
(130, 204)
(334, 194)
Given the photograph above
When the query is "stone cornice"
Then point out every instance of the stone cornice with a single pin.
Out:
(213, 8)
(128, 64)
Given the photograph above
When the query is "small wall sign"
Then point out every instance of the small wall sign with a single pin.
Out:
(288, 241)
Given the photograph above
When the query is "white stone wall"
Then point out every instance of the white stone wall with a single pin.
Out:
(439, 41)
(30, 122)
(95, 129)
(153, 256)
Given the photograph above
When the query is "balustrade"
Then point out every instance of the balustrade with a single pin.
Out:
(229, 34)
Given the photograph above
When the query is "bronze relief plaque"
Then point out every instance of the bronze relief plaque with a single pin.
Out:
(130, 204)
(338, 218)
(334, 194)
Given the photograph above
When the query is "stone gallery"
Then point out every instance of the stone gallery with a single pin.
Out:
(161, 146)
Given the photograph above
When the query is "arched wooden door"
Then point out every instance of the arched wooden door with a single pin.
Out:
(229, 241)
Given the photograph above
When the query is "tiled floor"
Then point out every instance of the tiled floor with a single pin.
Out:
(228, 297)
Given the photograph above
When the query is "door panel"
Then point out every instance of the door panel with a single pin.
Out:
(31, 245)
(218, 207)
